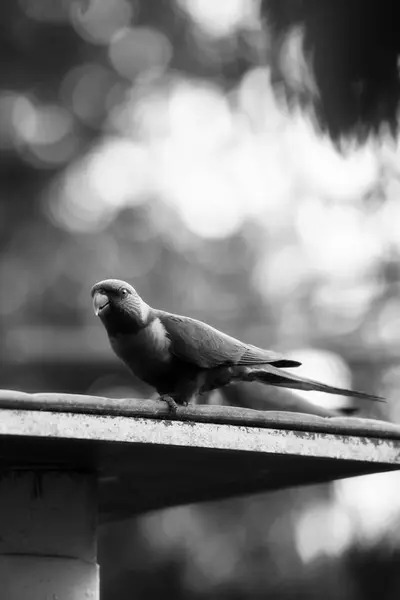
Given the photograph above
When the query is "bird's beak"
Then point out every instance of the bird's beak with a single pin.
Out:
(100, 301)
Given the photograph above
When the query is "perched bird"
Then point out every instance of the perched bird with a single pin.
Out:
(182, 357)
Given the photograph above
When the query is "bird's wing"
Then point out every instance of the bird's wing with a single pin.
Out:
(198, 343)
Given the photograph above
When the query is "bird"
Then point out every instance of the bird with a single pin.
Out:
(182, 357)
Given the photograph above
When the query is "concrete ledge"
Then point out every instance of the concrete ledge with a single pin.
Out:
(145, 459)
(153, 409)
(138, 431)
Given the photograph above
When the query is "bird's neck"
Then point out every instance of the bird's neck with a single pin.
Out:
(122, 322)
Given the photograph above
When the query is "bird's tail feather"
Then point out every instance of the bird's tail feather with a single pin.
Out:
(278, 377)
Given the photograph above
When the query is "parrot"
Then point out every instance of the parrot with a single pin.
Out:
(182, 357)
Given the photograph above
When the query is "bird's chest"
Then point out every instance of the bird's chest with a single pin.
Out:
(147, 353)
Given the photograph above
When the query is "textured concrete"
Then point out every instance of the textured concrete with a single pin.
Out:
(63, 456)
(48, 535)
(47, 578)
(148, 459)
(228, 415)
(160, 432)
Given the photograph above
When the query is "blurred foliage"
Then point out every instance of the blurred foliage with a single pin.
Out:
(346, 68)
(145, 140)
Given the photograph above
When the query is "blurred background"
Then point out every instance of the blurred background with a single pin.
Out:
(236, 161)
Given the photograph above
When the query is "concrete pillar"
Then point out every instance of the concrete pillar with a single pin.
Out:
(48, 536)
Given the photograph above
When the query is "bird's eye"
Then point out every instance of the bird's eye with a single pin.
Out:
(124, 292)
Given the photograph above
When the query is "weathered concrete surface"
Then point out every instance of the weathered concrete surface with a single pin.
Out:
(153, 409)
(157, 432)
(48, 535)
(48, 513)
(62, 456)
(47, 578)
(148, 459)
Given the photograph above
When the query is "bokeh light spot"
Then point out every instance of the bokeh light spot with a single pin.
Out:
(138, 50)
(221, 17)
(85, 90)
(91, 192)
(101, 19)
(321, 517)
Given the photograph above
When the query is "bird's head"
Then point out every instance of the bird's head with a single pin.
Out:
(117, 301)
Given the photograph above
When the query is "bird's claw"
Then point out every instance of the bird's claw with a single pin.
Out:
(173, 407)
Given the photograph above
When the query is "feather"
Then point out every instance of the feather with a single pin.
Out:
(273, 376)
(198, 343)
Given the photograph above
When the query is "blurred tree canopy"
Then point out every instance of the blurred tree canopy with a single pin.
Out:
(152, 141)
(351, 53)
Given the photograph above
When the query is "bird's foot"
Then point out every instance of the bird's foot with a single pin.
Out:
(170, 401)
